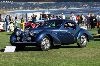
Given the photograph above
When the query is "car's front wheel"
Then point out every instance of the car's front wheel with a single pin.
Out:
(82, 41)
(45, 43)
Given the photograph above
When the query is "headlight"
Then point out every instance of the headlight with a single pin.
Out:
(18, 38)
(29, 38)
(18, 33)
(31, 33)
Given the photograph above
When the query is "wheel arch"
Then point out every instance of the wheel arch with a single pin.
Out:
(86, 36)
(83, 33)
(50, 37)
(54, 40)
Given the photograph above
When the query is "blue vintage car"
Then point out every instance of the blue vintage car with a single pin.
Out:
(51, 33)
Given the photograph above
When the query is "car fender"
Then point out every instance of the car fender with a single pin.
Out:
(83, 31)
(42, 34)
(12, 38)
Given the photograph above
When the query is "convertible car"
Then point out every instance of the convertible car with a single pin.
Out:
(51, 33)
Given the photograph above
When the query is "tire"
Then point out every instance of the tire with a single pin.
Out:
(82, 41)
(45, 43)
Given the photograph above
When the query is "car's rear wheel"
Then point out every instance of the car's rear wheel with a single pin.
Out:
(82, 41)
(45, 43)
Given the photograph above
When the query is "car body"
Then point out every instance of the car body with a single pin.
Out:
(52, 33)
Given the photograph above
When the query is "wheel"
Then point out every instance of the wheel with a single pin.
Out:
(45, 44)
(82, 41)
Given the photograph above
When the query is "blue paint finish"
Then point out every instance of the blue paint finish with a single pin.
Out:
(60, 33)
(13, 39)
(83, 31)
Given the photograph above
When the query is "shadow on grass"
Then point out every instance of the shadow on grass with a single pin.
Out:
(38, 49)
(69, 47)
(2, 50)
(25, 49)
(65, 46)
(97, 39)
(96, 36)
(29, 49)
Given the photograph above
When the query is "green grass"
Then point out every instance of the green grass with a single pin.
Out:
(65, 56)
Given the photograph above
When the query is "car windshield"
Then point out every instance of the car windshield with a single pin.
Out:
(51, 24)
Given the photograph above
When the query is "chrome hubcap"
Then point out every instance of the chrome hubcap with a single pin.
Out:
(83, 40)
(45, 44)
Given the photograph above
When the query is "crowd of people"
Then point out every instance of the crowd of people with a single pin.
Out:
(12, 22)
(90, 20)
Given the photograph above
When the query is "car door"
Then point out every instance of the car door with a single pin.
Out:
(66, 33)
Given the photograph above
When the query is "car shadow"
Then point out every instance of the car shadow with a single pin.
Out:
(65, 46)
(97, 39)
(29, 49)
(33, 48)
(2, 50)
(69, 47)
(25, 49)
(96, 36)
(38, 49)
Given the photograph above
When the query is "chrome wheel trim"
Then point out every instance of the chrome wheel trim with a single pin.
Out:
(83, 40)
(45, 44)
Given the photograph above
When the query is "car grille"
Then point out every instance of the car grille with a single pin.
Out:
(25, 37)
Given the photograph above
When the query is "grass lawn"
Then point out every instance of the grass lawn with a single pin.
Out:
(65, 56)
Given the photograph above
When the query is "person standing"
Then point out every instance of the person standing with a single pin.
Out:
(83, 20)
(78, 19)
(22, 24)
(7, 23)
(63, 16)
(73, 17)
(53, 17)
(92, 21)
(33, 18)
(11, 25)
(98, 20)
(15, 24)
(88, 21)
